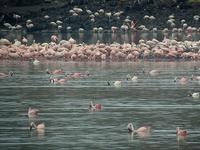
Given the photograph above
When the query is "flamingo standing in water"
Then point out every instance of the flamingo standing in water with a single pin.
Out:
(95, 107)
(32, 112)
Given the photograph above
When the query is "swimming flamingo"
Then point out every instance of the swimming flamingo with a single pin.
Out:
(144, 129)
(154, 72)
(76, 75)
(95, 107)
(195, 95)
(183, 81)
(128, 77)
(57, 71)
(180, 132)
(38, 127)
(9, 74)
(32, 112)
(36, 62)
(134, 79)
(58, 81)
(117, 83)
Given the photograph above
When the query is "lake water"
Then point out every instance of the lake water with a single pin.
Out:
(91, 38)
(156, 101)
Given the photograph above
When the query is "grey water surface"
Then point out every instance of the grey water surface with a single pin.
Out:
(155, 101)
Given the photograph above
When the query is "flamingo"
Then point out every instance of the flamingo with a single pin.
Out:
(36, 62)
(58, 81)
(32, 112)
(9, 74)
(154, 72)
(183, 81)
(134, 79)
(54, 38)
(76, 75)
(180, 132)
(195, 95)
(145, 129)
(95, 107)
(117, 83)
(128, 77)
(57, 71)
(38, 127)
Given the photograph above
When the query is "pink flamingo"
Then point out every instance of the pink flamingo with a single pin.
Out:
(57, 71)
(54, 38)
(180, 132)
(183, 81)
(3, 75)
(38, 127)
(154, 72)
(76, 75)
(58, 81)
(95, 107)
(32, 112)
(144, 129)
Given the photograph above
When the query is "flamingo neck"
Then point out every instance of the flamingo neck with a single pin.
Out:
(33, 125)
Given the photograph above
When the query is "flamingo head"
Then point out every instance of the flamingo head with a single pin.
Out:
(47, 71)
(130, 127)
(11, 73)
(91, 104)
(175, 79)
(108, 83)
(51, 80)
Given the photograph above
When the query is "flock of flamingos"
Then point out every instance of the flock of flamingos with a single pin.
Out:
(142, 131)
(70, 50)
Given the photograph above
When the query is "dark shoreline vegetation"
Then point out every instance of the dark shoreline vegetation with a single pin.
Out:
(59, 10)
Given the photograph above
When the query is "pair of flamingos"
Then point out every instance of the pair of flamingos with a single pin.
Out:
(142, 131)
(33, 112)
(145, 130)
